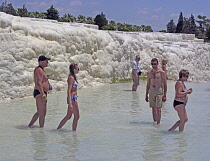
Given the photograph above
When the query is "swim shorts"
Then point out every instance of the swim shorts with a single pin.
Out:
(135, 79)
(73, 98)
(155, 97)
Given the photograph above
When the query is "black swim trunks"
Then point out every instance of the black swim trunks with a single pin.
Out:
(178, 103)
(36, 92)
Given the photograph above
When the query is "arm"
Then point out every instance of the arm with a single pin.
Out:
(179, 87)
(164, 68)
(147, 87)
(164, 83)
(38, 80)
(70, 84)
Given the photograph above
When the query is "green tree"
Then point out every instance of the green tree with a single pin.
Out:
(23, 12)
(101, 20)
(52, 13)
(8, 8)
(163, 31)
(208, 34)
(193, 27)
(186, 26)
(67, 18)
(171, 27)
(203, 26)
(143, 28)
(41, 15)
(148, 29)
(109, 27)
(179, 26)
(90, 20)
(81, 19)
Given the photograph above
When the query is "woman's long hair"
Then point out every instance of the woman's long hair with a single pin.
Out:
(71, 69)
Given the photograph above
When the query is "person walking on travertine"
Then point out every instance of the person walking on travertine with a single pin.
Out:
(41, 88)
(157, 89)
(136, 73)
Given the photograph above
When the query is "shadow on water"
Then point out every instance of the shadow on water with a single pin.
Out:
(25, 127)
(141, 122)
(127, 90)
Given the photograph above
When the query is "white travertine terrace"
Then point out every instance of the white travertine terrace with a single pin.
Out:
(101, 55)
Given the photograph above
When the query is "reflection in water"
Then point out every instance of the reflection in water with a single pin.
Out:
(115, 124)
(135, 102)
(71, 145)
(154, 147)
(39, 144)
(178, 147)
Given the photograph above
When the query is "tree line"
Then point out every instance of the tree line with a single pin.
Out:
(188, 26)
(52, 13)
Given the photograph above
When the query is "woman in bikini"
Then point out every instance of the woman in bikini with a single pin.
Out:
(72, 98)
(180, 100)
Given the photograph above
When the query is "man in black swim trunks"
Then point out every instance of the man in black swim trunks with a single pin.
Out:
(40, 91)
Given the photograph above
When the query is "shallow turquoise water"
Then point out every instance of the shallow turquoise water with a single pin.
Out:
(115, 124)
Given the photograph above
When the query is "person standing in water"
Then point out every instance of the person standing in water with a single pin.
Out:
(72, 98)
(164, 68)
(157, 89)
(180, 100)
(41, 88)
(136, 73)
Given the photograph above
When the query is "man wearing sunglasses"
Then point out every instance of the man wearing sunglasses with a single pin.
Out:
(156, 89)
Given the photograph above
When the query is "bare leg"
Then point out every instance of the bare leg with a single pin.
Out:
(183, 118)
(134, 87)
(34, 118)
(41, 112)
(158, 115)
(76, 116)
(66, 118)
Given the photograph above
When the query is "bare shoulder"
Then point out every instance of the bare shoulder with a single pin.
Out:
(178, 84)
(149, 71)
(38, 70)
(161, 71)
(70, 78)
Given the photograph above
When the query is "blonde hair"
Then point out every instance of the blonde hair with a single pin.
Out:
(164, 61)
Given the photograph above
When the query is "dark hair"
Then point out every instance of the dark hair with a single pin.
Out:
(71, 70)
(183, 73)
(154, 59)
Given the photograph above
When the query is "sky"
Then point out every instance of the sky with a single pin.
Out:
(155, 13)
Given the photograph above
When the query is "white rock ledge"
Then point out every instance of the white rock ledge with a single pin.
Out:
(101, 55)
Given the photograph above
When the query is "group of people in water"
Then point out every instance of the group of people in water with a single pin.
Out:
(42, 86)
(156, 91)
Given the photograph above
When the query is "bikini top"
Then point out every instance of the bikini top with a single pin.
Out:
(75, 83)
(185, 89)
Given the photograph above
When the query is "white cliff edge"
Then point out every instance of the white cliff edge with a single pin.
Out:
(101, 55)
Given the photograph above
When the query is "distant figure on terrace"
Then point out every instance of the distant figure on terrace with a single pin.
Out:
(164, 63)
(41, 88)
(180, 100)
(136, 73)
(72, 98)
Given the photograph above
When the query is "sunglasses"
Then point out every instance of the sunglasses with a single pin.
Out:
(153, 63)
